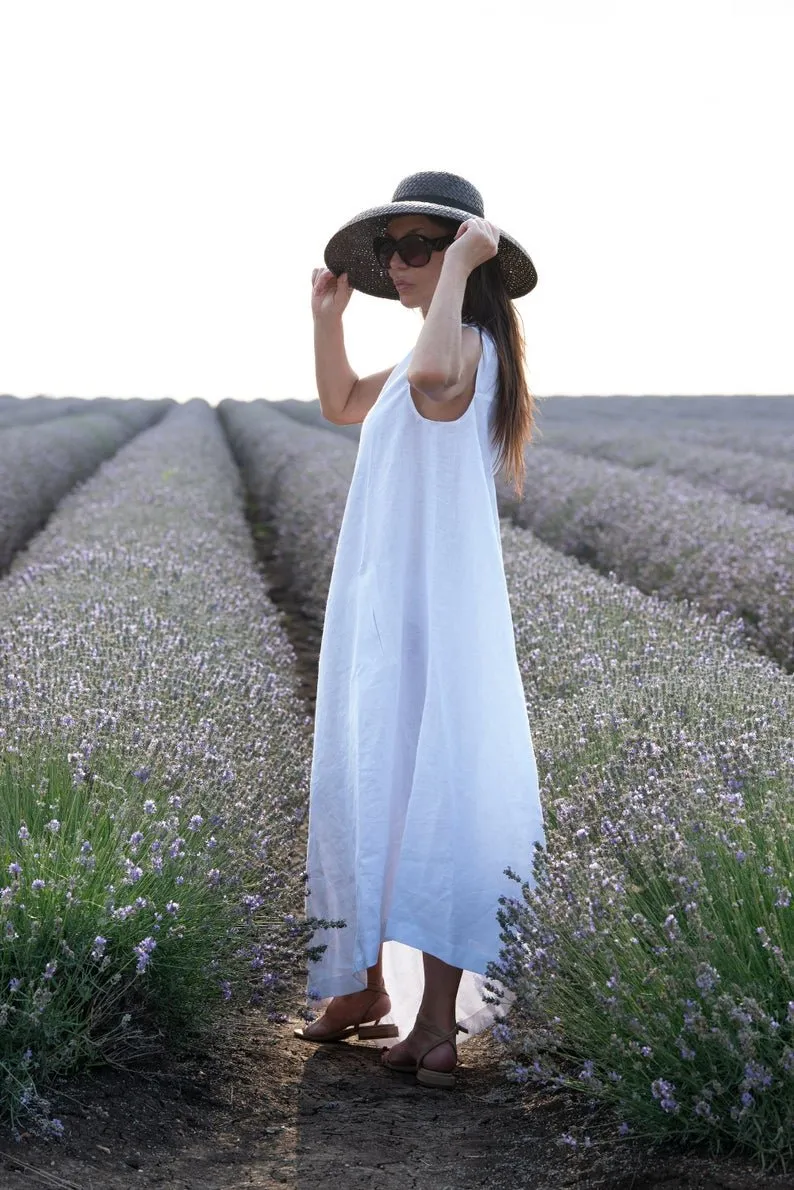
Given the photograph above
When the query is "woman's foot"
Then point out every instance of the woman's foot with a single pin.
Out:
(443, 1056)
(352, 1009)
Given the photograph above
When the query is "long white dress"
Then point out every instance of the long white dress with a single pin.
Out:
(424, 786)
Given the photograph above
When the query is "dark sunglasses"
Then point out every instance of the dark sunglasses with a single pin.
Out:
(414, 250)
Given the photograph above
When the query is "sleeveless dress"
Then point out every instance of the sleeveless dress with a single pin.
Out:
(424, 785)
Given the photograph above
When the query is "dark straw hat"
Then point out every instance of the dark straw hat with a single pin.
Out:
(350, 250)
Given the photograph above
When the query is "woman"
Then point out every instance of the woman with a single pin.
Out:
(424, 786)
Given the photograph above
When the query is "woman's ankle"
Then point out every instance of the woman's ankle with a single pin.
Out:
(440, 1018)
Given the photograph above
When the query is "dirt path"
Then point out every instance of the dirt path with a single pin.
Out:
(263, 1109)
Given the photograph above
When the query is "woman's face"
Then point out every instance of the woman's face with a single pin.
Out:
(416, 286)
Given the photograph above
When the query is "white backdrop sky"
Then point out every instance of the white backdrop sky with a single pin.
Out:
(171, 173)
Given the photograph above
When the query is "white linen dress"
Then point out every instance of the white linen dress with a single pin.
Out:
(424, 786)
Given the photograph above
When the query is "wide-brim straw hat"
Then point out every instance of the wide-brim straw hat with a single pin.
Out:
(432, 193)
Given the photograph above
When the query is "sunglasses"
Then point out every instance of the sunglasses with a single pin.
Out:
(413, 249)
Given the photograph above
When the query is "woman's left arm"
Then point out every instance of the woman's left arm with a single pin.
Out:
(437, 359)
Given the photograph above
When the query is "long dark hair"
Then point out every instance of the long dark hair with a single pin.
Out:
(486, 303)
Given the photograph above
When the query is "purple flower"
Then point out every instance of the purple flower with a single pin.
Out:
(195, 822)
(708, 978)
(49, 970)
(99, 947)
(149, 806)
(53, 825)
(143, 950)
(37, 884)
(756, 1075)
(14, 869)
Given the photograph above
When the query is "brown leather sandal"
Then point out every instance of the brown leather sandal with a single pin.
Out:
(364, 1032)
(429, 1078)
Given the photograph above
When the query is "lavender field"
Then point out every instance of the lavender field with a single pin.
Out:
(156, 746)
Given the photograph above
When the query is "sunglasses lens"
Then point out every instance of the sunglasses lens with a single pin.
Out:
(384, 248)
(414, 251)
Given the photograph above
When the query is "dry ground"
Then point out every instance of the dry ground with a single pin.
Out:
(264, 1109)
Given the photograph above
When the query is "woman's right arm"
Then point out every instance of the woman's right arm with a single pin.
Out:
(335, 377)
(344, 398)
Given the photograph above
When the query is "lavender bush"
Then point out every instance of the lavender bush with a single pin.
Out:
(156, 755)
(298, 478)
(772, 443)
(666, 537)
(16, 411)
(652, 948)
(40, 463)
(28, 411)
(743, 474)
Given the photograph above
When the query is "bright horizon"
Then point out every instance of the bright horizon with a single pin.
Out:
(173, 171)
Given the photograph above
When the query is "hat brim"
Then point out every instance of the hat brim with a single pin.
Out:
(350, 250)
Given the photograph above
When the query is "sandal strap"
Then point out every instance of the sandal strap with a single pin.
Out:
(376, 991)
(450, 1035)
(424, 1023)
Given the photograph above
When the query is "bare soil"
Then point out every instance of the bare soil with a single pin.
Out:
(260, 1108)
(263, 1109)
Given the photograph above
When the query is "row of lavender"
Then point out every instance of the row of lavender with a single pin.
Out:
(763, 425)
(29, 411)
(41, 461)
(666, 537)
(154, 764)
(651, 946)
(745, 474)
(660, 532)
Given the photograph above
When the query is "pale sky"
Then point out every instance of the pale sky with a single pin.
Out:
(172, 171)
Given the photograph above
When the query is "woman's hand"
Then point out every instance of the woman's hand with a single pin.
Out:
(476, 241)
(330, 294)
